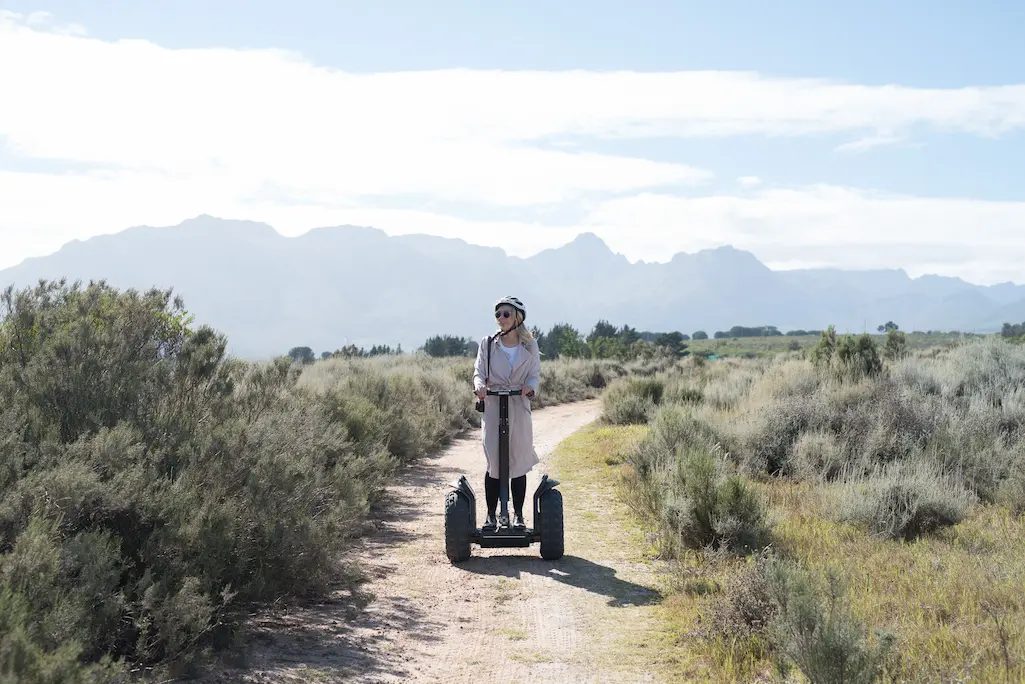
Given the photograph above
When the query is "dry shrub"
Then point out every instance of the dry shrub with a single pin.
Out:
(904, 500)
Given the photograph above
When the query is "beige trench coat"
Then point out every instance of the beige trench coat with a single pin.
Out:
(524, 373)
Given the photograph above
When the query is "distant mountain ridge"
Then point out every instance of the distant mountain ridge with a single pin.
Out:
(356, 285)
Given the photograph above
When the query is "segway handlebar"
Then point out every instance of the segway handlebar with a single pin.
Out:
(505, 393)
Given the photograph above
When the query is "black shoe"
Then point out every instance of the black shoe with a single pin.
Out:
(518, 521)
(490, 524)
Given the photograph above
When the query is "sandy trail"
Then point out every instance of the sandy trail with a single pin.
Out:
(506, 615)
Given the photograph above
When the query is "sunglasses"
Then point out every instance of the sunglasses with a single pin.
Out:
(503, 314)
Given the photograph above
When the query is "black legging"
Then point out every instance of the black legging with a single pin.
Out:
(519, 493)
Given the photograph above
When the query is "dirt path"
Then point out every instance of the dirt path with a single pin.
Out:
(506, 615)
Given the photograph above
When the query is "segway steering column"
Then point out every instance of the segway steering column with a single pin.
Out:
(503, 451)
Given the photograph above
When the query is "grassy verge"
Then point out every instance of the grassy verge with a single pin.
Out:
(625, 636)
(835, 524)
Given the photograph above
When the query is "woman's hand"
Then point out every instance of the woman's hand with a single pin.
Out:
(481, 393)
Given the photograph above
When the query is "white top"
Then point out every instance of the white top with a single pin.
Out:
(509, 352)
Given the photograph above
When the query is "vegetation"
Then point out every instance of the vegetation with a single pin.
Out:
(1014, 332)
(154, 491)
(449, 345)
(851, 511)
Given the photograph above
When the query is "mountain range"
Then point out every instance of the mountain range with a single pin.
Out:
(356, 285)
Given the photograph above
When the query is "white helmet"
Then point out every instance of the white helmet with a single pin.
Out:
(515, 303)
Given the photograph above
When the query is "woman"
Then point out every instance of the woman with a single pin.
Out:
(515, 363)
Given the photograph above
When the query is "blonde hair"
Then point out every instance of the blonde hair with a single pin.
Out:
(524, 333)
(526, 336)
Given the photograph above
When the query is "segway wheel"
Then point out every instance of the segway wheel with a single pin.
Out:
(550, 508)
(458, 530)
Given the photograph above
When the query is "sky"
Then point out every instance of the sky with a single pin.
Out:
(858, 135)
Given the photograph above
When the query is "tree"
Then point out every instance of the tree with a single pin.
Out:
(449, 345)
(302, 355)
(628, 335)
(564, 340)
(607, 348)
(672, 341)
(887, 326)
(758, 331)
(602, 329)
(1013, 330)
(700, 335)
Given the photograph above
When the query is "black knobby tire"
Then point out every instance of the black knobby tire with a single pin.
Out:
(550, 507)
(458, 527)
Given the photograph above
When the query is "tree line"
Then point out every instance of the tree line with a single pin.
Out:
(604, 341)
(1013, 331)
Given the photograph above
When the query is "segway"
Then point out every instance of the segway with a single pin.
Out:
(461, 530)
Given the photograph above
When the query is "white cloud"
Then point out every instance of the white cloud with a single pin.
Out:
(265, 135)
(980, 241)
(868, 143)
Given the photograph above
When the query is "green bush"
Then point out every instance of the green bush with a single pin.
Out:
(847, 357)
(167, 484)
(896, 345)
(684, 483)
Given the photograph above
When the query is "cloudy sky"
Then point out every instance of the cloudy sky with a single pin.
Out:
(858, 136)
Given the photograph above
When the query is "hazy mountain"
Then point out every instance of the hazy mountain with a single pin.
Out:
(348, 284)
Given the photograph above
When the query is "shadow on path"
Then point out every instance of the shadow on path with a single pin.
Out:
(572, 570)
(318, 642)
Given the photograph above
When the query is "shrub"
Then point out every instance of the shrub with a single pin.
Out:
(1012, 489)
(681, 391)
(858, 357)
(816, 630)
(896, 345)
(778, 426)
(632, 400)
(689, 490)
(775, 607)
(904, 500)
(847, 357)
(745, 606)
(816, 455)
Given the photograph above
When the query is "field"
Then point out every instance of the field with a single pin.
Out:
(841, 523)
(765, 347)
(155, 493)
